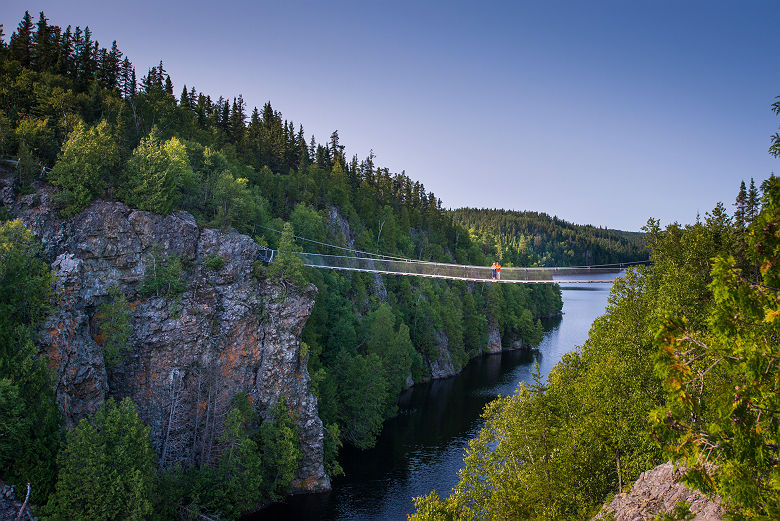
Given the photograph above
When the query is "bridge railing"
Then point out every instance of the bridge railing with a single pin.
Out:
(441, 270)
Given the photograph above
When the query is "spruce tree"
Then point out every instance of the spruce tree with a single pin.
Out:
(43, 52)
(753, 203)
(184, 98)
(65, 58)
(21, 44)
(741, 207)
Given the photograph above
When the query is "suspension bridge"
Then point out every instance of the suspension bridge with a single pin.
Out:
(361, 261)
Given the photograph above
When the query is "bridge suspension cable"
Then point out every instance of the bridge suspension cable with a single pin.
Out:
(370, 262)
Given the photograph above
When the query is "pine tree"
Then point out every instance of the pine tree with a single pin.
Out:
(21, 44)
(65, 58)
(86, 61)
(127, 79)
(184, 99)
(44, 52)
(111, 67)
(753, 203)
(237, 119)
(741, 207)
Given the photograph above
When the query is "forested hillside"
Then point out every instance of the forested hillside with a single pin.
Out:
(682, 366)
(536, 239)
(77, 115)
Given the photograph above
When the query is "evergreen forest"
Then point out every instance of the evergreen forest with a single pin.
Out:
(682, 367)
(536, 239)
(77, 115)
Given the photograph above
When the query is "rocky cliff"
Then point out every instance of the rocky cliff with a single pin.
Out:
(659, 491)
(225, 333)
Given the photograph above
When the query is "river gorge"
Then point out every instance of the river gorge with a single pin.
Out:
(422, 448)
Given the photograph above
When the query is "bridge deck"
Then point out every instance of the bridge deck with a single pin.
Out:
(439, 270)
(467, 279)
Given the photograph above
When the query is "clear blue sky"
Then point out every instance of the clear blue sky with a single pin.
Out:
(599, 112)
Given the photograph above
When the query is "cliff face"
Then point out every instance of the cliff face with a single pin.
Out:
(227, 333)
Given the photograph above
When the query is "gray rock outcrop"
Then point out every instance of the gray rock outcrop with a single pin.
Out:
(659, 490)
(225, 333)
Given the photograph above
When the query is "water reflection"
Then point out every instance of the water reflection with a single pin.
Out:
(422, 448)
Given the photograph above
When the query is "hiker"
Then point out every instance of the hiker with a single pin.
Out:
(493, 273)
(498, 271)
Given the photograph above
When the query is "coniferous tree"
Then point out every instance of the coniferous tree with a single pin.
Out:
(237, 118)
(184, 98)
(106, 468)
(65, 56)
(740, 212)
(753, 203)
(3, 45)
(127, 79)
(44, 50)
(20, 46)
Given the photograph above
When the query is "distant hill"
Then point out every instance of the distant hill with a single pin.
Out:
(534, 238)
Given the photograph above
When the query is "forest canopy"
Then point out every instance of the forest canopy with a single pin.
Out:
(77, 115)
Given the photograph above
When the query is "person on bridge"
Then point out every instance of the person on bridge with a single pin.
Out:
(498, 271)
(493, 272)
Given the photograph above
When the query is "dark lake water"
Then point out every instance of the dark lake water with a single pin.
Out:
(422, 448)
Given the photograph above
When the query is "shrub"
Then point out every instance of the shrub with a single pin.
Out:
(114, 323)
(89, 158)
(163, 276)
(213, 262)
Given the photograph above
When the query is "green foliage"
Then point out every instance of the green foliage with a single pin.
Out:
(27, 168)
(87, 164)
(257, 465)
(213, 261)
(280, 444)
(533, 238)
(721, 378)
(6, 133)
(36, 133)
(331, 445)
(394, 349)
(363, 399)
(115, 324)
(237, 484)
(162, 276)
(106, 468)
(28, 412)
(157, 174)
(287, 265)
(15, 423)
(556, 450)
(198, 154)
(232, 199)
